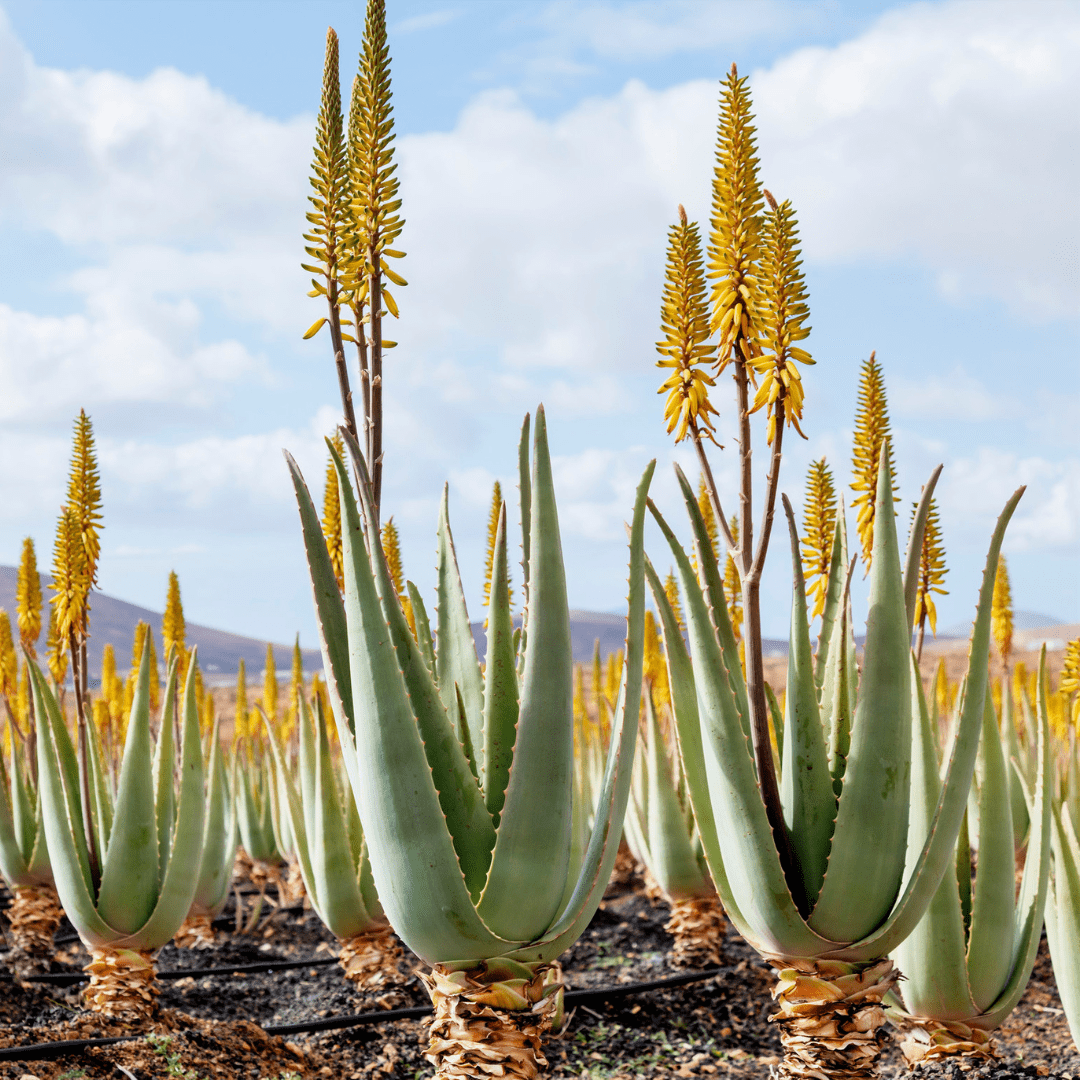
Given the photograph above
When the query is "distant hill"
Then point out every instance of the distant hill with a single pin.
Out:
(1022, 620)
(113, 622)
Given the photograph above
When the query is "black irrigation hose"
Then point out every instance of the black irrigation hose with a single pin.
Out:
(69, 978)
(44, 1051)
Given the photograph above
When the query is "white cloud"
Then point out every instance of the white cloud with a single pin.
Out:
(953, 395)
(429, 20)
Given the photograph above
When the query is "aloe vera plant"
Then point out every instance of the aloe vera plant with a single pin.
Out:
(1063, 914)
(968, 961)
(844, 791)
(150, 841)
(333, 859)
(464, 778)
(35, 910)
(254, 785)
(218, 854)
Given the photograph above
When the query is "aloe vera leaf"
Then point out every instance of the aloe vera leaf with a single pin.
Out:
(451, 762)
(671, 854)
(1031, 905)
(534, 828)
(329, 608)
(776, 718)
(271, 852)
(718, 609)
(129, 871)
(933, 956)
(1017, 803)
(180, 881)
(595, 872)
(525, 495)
(14, 849)
(219, 833)
(1063, 916)
(306, 753)
(915, 545)
(404, 826)
(25, 806)
(834, 592)
(423, 626)
(247, 812)
(834, 696)
(101, 802)
(635, 820)
(866, 861)
(501, 687)
(280, 818)
(940, 844)
(163, 769)
(806, 789)
(990, 942)
(332, 864)
(745, 865)
(455, 655)
(62, 815)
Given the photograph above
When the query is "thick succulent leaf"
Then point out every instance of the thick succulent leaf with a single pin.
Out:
(990, 942)
(834, 597)
(404, 826)
(306, 753)
(806, 790)
(933, 957)
(62, 816)
(329, 609)
(635, 821)
(915, 544)
(178, 886)
(866, 861)
(13, 860)
(836, 701)
(100, 799)
(219, 834)
(455, 658)
(423, 626)
(534, 828)
(332, 863)
(937, 852)
(525, 496)
(500, 682)
(745, 865)
(1063, 916)
(25, 803)
(614, 790)
(129, 871)
(163, 770)
(1017, 803)
(776, 719)
(714, 591)
(1035, 884)
(451, 761)
(672, 858)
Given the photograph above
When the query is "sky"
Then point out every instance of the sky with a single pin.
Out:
(153, 185)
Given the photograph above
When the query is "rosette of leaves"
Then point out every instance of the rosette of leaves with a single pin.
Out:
(150, 841)
(254, 784)
(463, 777)
(968, 961)
(333, 860)
(844, 791)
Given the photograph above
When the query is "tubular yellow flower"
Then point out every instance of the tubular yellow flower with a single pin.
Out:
(28, 598)
(242, 722)
(173, 626)
(296, 684)
(1001, 616)
(84, 493)
(392, 550)
(735, 226)
(733, 587)
(56, 653)
(932, 571)
(871, 431)
(9, 662)
(671, 591)
(782, 311)
(331, 520)
(71, 577)
(819, 524)
(655, 667)
(270, 686)
(684, 322)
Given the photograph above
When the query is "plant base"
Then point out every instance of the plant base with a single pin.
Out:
(371, 959)
(624, 870)
(34, 915)
(931, 1040)
(831, 1017)
(196, 932)
(293, 890)
(122, 983)
(489, 1021)
(698, 926)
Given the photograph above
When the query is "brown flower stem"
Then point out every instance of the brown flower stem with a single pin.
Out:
(831, 1017)
(919, 639)
(375, 450)
(122, 983)
(339, 347)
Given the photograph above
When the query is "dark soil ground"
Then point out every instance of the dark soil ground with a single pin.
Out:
(211, 1027)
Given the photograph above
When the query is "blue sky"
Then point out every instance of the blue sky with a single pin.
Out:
(152, 193)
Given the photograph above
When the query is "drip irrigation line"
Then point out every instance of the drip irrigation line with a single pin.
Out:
(69, 978)
(45, 1051)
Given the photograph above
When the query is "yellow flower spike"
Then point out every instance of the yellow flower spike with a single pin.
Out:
(684, 322)
(871, 430)
(1070, 668)
(819, 524)
(270, 686)
(243, 716)
(9, 661)
(331, 519)
(28, 599)
(173, 626)
(671, 591)
(56, 653)
(733, 585)
(931, 574)
(1001, 618)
